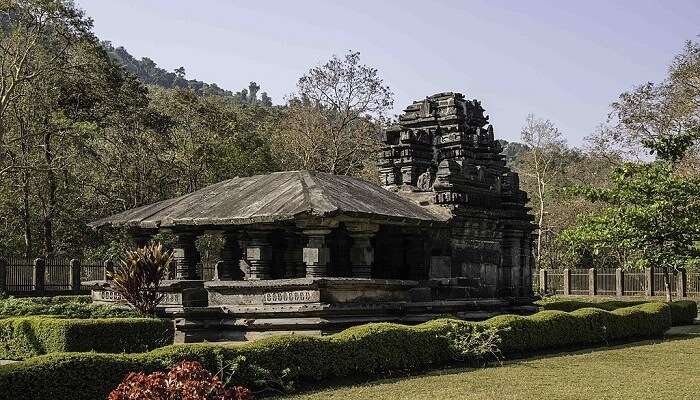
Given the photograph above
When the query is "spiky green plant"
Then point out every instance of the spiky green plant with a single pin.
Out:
(137, 278)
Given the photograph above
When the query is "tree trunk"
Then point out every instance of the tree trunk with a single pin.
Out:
(51, 197)
(667, 285)
(26, 217)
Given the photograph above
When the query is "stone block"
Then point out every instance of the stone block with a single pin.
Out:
(422, 294)
(440, 267)
(262, 253)
(314, 255)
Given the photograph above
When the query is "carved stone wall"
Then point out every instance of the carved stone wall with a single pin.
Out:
(444, 144)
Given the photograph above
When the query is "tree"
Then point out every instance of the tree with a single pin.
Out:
(654, 112)
(652, 211)
(542, 163)
(332, 123)
(36, 40)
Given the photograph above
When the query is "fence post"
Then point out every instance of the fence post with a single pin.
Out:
(649, 280)
(109, 267)
(592, 282)
(39, 275)
(3, 275)
(74, 272)
(619, 282)
(682, 283)
(567, 281)
(543, 281)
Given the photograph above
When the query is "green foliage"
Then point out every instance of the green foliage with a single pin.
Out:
(365, 351)
(683, 312)
(81, 138)
(148, 72)
(79, 299)
(652, 214)
(138, 277)
(25, 337)
(18, 307)
(474, 342)
(557, 329)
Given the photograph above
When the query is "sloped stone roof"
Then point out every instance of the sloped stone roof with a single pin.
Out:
(279, 196)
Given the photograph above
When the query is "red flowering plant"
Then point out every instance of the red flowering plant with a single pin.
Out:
(187, 380)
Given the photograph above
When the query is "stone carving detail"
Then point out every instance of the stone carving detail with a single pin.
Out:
(471, 179)
(427, 179)
(454, 133)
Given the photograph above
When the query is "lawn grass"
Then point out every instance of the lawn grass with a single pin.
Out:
(646, 370)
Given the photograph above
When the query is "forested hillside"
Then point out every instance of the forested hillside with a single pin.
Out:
(148, 72)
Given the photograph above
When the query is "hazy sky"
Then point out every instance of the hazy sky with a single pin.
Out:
(562, 60)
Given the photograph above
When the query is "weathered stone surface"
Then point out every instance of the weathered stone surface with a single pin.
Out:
(449, 233)
(276, 197)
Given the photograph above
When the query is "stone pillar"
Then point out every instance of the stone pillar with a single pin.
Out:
(74, 273)
(592, 282)
(259, 254)
(516, 269)
(293, 257)
(316, 253)
(543, 281)
(416, 256)
(39, 275)
(186, 256)
(362, 251)
(567, 281)
(228, 268)
(619, 282)
(649, 281)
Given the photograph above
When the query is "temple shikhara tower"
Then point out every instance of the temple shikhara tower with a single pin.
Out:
(447, 233)
(442, 152)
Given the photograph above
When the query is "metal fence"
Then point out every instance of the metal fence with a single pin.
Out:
(616, 282)
(46, 276)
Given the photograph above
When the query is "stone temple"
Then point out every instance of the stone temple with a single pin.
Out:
(448, 234)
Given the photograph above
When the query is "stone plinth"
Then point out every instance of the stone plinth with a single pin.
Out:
(307, 291)
(178, 293)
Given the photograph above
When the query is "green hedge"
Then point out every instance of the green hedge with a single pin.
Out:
(683, 312)
(26, 337)
(81, 299)
(364, 351)
(64, 307)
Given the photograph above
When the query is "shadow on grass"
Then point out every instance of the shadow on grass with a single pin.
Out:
(458, 369)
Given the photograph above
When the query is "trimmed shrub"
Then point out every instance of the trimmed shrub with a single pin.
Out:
(26, 337)
(553, 329)
(363, 351)
(69, 308)
(81, 299)
(683, 312)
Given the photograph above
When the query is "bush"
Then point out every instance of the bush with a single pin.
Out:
(187, 380)
(552, 329)
(26, 337)
(683, 312)
(363, 351)
(68, 308)
(80, 299)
